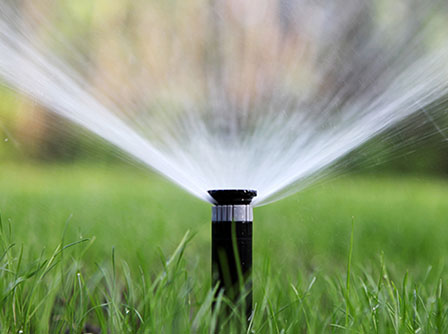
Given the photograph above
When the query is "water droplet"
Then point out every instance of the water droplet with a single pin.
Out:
(6, 140)
(20, 331)
(127, 311)
(79, 274)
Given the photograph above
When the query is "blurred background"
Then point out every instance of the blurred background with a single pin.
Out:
(108, 36)
(51, 169)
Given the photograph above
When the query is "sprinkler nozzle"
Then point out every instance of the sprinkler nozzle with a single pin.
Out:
(233, 196)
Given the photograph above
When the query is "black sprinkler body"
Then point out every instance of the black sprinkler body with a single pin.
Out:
(232, 218)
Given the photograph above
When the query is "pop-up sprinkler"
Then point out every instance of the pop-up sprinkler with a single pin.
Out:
(232, 218)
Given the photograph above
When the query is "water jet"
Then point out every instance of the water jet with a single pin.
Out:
(232, 218)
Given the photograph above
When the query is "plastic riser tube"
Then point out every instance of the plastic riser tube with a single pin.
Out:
(232, 270)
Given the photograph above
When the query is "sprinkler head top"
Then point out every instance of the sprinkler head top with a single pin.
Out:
(232, 196)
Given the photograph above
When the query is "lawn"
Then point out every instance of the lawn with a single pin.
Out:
(116, 249)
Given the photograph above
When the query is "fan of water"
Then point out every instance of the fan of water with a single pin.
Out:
(263, 95)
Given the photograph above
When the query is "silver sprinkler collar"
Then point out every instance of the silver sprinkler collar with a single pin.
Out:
(229, 213)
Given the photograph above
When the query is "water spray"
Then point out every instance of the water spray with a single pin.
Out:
(232, 218)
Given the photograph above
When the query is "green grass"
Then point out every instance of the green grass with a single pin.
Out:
(119, 250)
